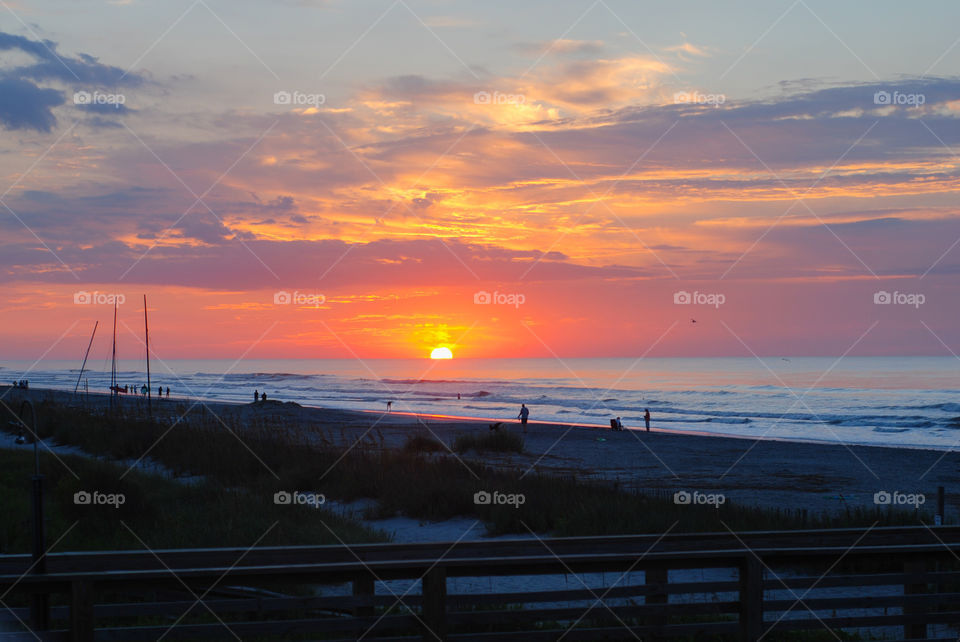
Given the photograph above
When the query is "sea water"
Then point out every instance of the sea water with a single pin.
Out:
(898, 401)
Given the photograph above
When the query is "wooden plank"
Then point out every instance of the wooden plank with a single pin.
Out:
(266, 556)
(594, 612)
(279, 628)
(460, 600)
(864, 602)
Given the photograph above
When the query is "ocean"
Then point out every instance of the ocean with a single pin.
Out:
(894, 401)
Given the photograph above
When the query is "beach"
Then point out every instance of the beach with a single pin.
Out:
(792, 476)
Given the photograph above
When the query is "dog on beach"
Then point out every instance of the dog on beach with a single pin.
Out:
(496, 426)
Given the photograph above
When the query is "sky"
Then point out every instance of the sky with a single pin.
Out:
(375, 179)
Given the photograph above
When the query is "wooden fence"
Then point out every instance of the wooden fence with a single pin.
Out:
(751, 586)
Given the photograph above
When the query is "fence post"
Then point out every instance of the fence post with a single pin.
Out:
(916, 630)
(435, 604)
(363, 587)
(82, 623)
(940, 519)
(656, 577)
(751, 598)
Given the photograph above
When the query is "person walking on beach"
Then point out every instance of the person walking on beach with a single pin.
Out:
(389, 406)
(168, 392)
(159, 392)
(256, 396)
(524, 414)
(646, 418)
(619, 424)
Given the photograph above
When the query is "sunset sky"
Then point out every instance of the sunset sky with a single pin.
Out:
(786, 164)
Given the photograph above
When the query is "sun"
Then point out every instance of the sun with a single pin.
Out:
(441, 353)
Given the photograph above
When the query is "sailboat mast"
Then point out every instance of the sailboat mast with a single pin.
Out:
(146, 337)
(85, 355)
(113, 358)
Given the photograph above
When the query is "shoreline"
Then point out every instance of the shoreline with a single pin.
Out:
(414, 418)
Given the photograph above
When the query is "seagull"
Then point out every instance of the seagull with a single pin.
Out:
(693, 320)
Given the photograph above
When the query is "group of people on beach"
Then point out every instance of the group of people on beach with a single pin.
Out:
(259, 396)
(132, 390)
(617, 424)
(23, 383)
(524, 416)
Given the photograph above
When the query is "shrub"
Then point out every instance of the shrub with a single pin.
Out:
(500, 441)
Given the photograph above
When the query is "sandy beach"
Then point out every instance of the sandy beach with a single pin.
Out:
(819, 477)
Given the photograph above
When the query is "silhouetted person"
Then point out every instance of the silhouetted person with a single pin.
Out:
(524, 414)
(458, 395)
(619, 424)
(168, 392)
(263, 396)
(256, 396)
(646, 418)
(389, 406)
(159, 391)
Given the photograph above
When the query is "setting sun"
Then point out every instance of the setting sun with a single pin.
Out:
(441, 353)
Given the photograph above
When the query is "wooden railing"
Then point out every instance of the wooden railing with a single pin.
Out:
(763, 586)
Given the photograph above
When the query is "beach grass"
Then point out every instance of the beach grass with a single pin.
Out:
(156, 512)
(496, 441)
(266, 454)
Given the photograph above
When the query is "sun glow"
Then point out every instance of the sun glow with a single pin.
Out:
(441, 353)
